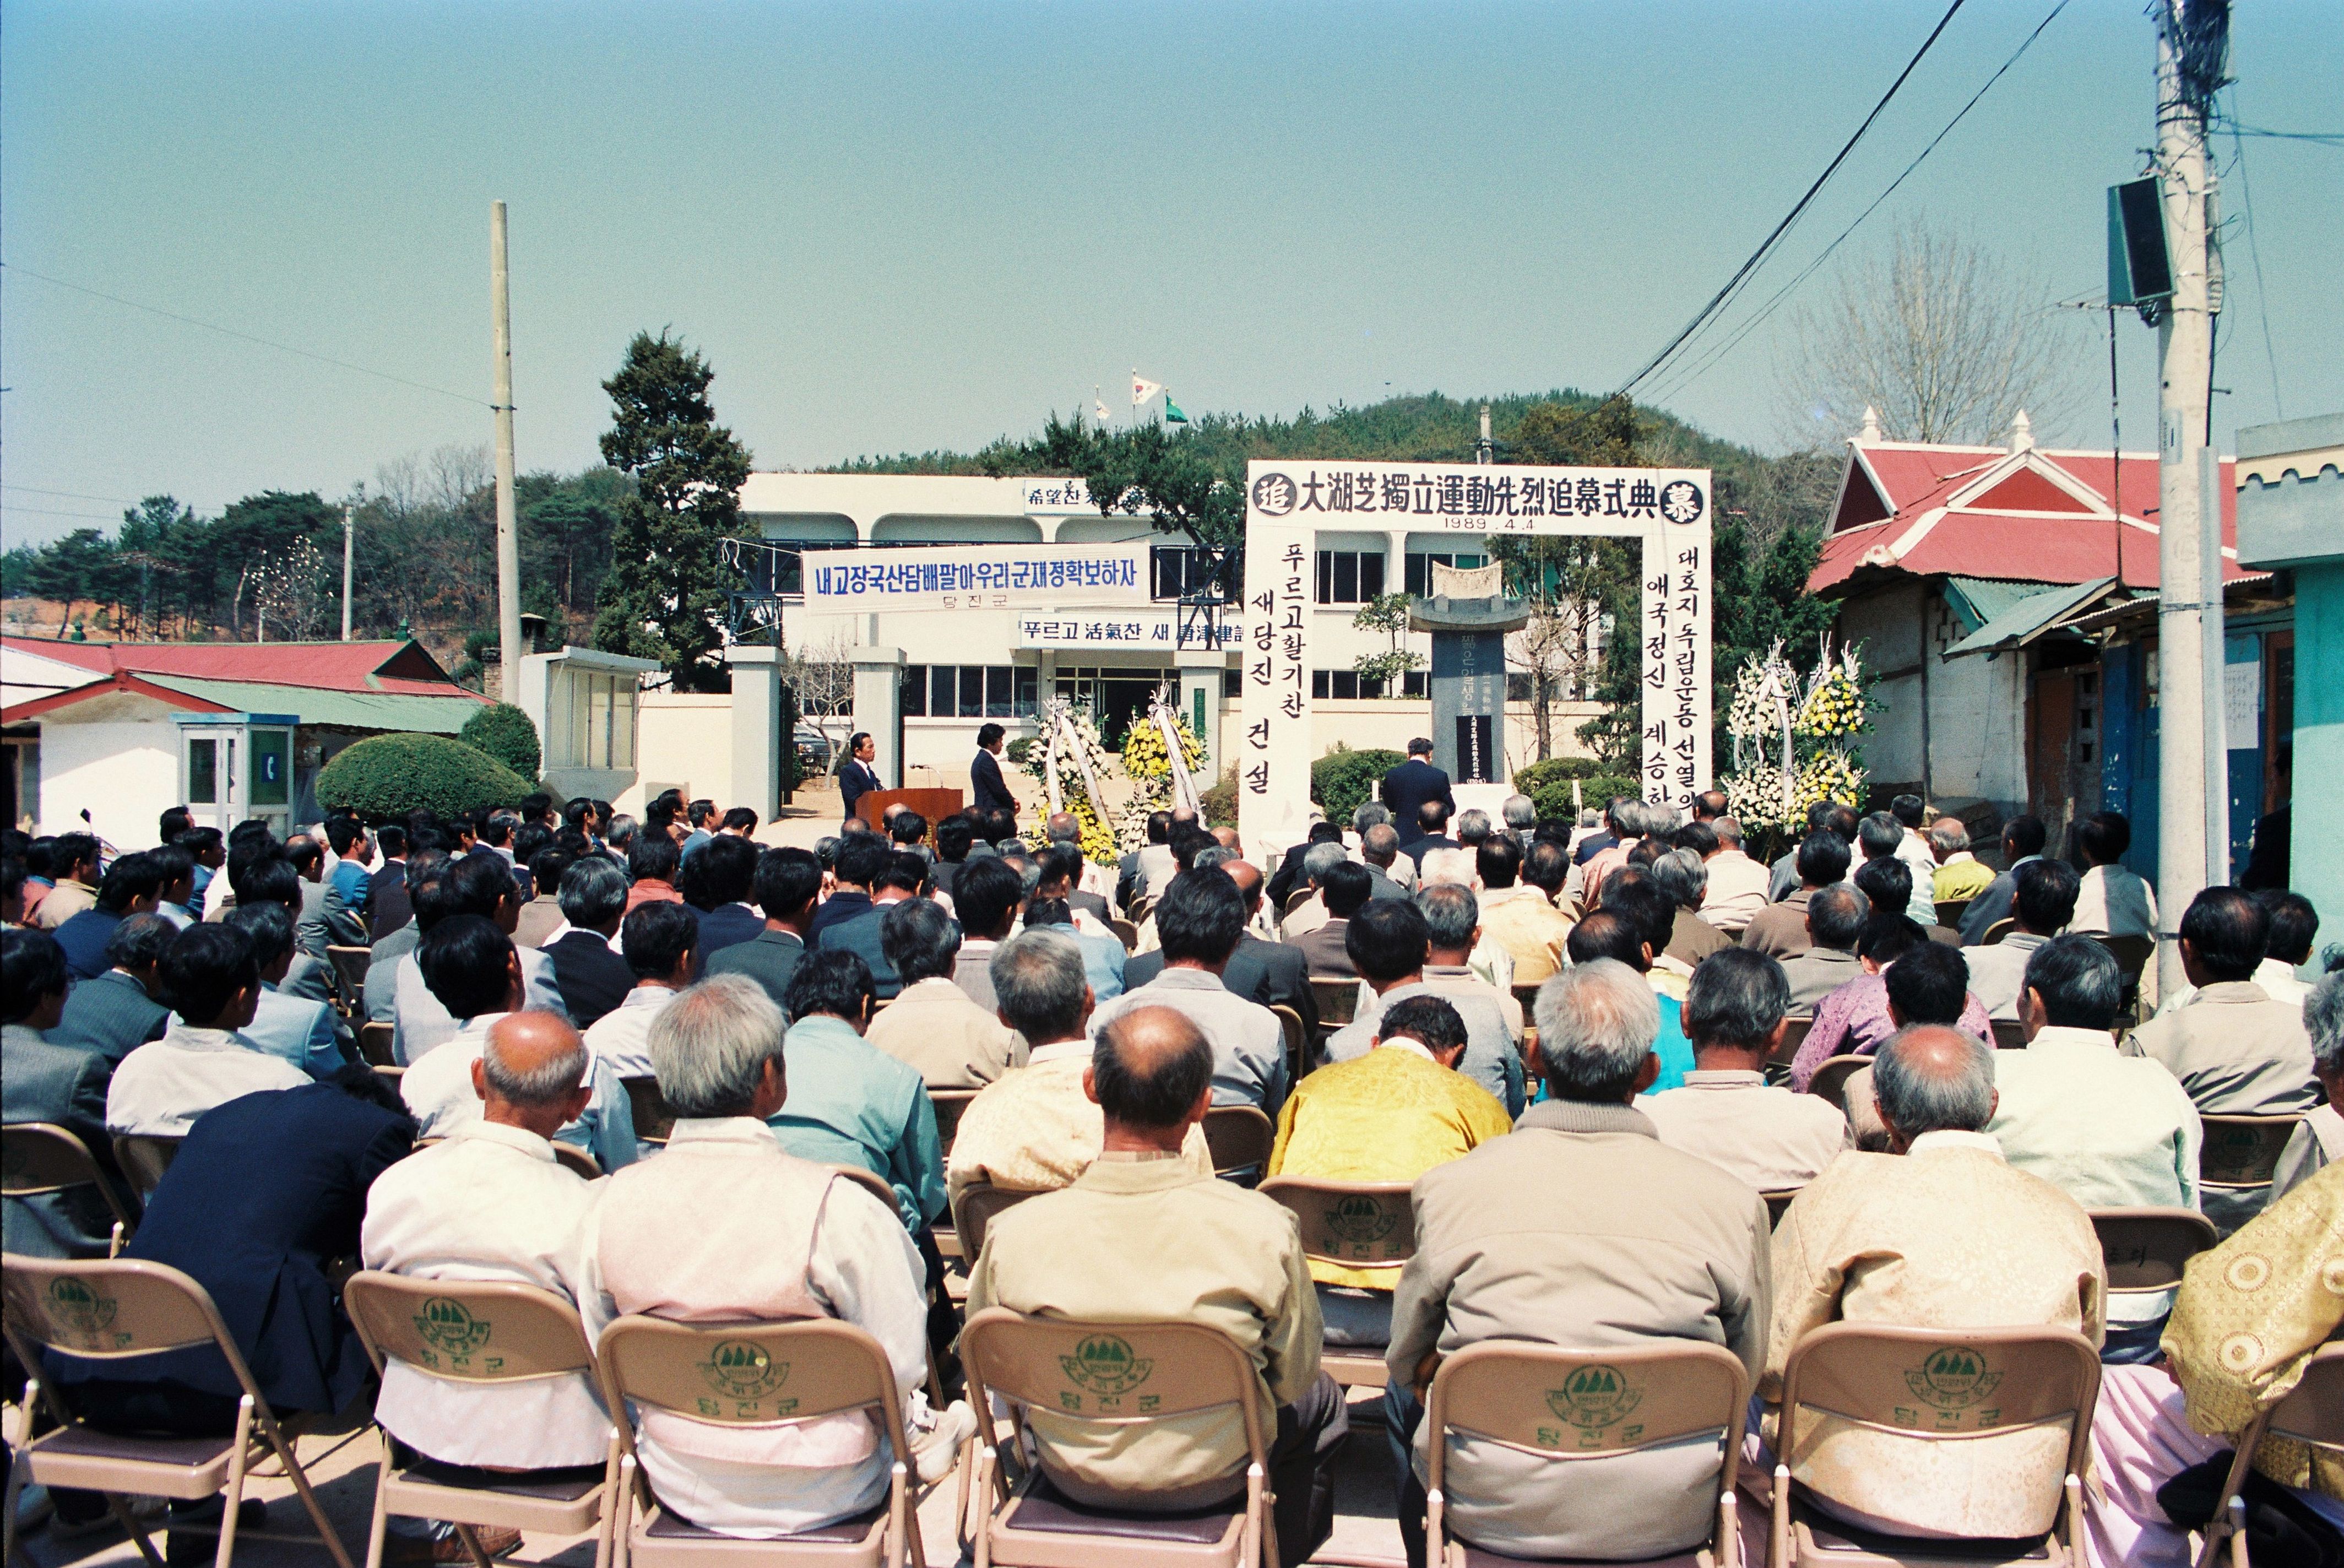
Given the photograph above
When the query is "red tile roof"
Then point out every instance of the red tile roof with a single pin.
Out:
(2036, 516)
(390, 665)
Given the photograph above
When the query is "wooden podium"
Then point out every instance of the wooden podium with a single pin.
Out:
(935, 804)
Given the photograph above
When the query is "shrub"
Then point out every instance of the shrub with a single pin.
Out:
(384, 776)
(504, 733)
(1344, 778)
(1552, 795)
(1220, 801)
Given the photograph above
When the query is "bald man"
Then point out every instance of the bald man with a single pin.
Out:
(491, 1202)
(1182, 1247)
(1940, 1234)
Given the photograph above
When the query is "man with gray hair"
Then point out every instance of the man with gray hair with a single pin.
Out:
(2319, 1138)
(1317, 862)
(1737, 883)
(1379, 853)
(1473, 829)
(1683, 876)
(1520, 814)
(1940, 1234)
(932, 1027)
(1959, 875)
(1835, 920)
(1650, 1243)
(726, 1226)
(490, 1203)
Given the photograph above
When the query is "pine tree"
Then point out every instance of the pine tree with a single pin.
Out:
(665, 596)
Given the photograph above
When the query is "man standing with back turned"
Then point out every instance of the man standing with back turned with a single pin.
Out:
(1408, 786)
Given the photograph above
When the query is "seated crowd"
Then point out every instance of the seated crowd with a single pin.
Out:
(1761, 1100)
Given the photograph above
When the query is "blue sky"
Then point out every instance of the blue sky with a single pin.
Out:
(899, 227)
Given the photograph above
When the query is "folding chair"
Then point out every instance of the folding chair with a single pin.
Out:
(949, 1104)
(1298, 1044)
(1997, 931)
(1569, 1406)
(878, 1186)
(761, 1375)
(1364, 1225)
(2009, 1035)
(1830, 1082)
(1339, 1000)
(577, 1159)
(1526, 995)
(1296, 900)
(116, 1310)
(1240, 1137)
(2132, 955)
(1936, 1385)
(1120, 1375)
(2236, 1162)
(1777, 1201)
(1950, 912)
(2312, 1413)
(1138, 914)
(350, 967)
(39, 1158)
(1795, 1029)
(476, 1333)
(374, 1046)
(653, 1119)
(142, 1158)
(1125, 932)
(974, 1210)
(2146, 1250)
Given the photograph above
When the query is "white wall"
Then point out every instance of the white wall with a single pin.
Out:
(125, 772)
(682, 741)
(1976, 709)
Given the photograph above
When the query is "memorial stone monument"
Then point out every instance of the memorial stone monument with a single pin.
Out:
(1469, 615)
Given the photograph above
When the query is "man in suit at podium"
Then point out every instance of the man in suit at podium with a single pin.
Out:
(986, 790)
(1410, 784)
(856, 777)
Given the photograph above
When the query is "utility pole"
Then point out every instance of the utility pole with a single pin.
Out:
(2192, 840)
(1485, 451)
(347, 526)
(508, 525)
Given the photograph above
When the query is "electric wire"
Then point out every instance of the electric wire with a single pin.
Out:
(2254, 254)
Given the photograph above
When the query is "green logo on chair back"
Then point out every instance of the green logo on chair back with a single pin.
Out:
(446, 1326)
(1360, 1219)
(1593, 1397)
(75, 1304)
(742, 1369)
(1954, 1377)
(1104, 1365)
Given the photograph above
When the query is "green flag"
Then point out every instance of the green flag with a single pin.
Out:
(1172, 414)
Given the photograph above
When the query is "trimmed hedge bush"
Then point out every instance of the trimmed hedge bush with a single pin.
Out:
(1342, 779)
(1548, 784)
(386, 777)
(504, 733)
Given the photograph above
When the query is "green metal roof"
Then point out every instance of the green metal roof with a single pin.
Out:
(349, 710)
(2024, 620)
(1977, 600)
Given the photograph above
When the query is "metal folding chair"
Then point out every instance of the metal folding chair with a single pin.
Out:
(1950, 911)
(374, 1046)
(1296, 900)
(1119, 1375)
(349, 969)
(2236, 1162)
(2009, 1035)
(950, 1104)
(1339, 1000)
(1795, 1029)
(1571, 1406)
(1997, 931)
(1364, 1225)
(1867, 1372)
(142, 1158)
(761, 1375)
(974, 1210)
(1240, 1137)
(117, 1309)
(878, 1186)
(38, 1159)
(1125, 932)
(653, 1119)
(1298, 1042)
(1778, 1202)
(476, 1333)
(2312, 1412)
(1830, 1082)
(2146, 1250)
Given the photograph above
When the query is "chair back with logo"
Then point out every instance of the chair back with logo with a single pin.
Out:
(653, 1119)
(2312, 1413)
(1339, 1000)
(38, 1159)
(1117, 1375)
(1939, 1385)
(1565, 1404)
(374, 1046)
(1830, 1082)
(949, 1104)
(1240, 1137)
(2236, 1162)
(1364, 1225)
(974, 1210)
(2146, 1250)
(142, 1158)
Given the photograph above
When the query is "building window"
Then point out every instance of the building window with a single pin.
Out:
(1232, 685)
(1421, 565)
(969, 692)
(1349, 576)
(1342, 685)
(1518, 686)
(1415, 684)
(1177, 570)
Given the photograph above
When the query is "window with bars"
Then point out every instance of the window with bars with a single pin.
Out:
(970, 692)
(1177, 570)
(1349, 576)
(1421, 563)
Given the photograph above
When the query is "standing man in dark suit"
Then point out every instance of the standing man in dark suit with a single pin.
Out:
(387, 905)
(789, 885)
(41, 1080)
(592, 979)
(115, 1013)
(1410, 784)
(987, 792)
(856, 777)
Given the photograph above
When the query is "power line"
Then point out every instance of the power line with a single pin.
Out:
(1759, 254)
(246, 337)
(1768, 309)
(71, 494)
(2325, 138)
(2255, 250)
(52, 511)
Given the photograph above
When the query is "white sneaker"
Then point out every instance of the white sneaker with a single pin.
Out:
(935, 1451)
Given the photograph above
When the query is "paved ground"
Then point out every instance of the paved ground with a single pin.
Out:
(1364, 1531)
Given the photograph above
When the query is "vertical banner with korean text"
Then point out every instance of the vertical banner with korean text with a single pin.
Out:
(1274, 751)
(1676, 676)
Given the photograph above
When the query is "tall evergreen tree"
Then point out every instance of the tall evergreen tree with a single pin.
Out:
(664, 595)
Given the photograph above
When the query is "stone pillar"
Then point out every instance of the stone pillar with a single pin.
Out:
(879, 708)
(1200, 704)
(757, 738)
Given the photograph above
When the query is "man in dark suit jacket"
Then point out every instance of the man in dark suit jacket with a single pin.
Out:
(1288, 875)
(592, 979)
(1346, 889)
(862, 860)
(266, 1191)
(1271, 973)
(987, 792)
(906, 875)
(789, 882)
(117, 1013)
(41, 1080)
(1432, 832)
(724, 875)
(856, 777)
(1410, 784)
(387, 905)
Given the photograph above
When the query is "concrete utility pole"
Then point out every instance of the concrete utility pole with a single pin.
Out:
(347, 526)
(508, 525)
(1485, 451)
(2192, 839)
